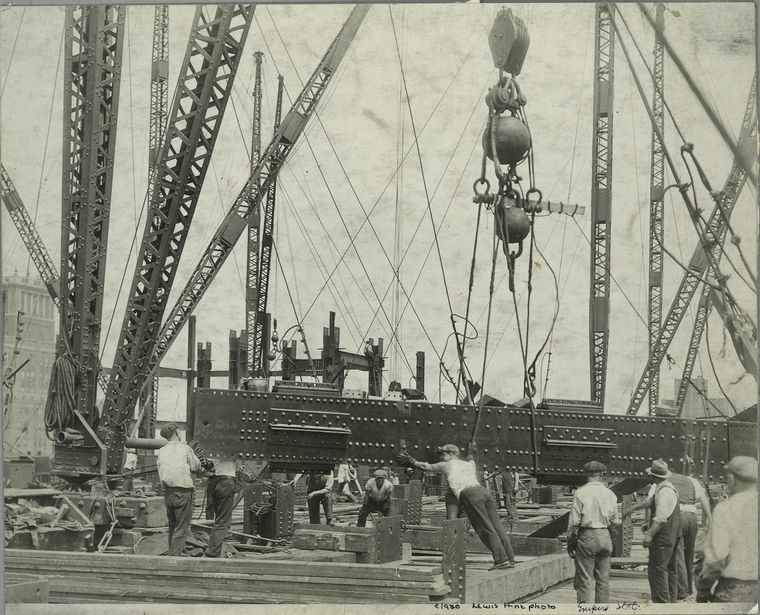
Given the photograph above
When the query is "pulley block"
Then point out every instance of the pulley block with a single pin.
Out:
(509, 41)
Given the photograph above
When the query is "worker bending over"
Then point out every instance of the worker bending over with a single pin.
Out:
(474, 499)
(318, 488)
(175, 461)
(220, 500)
(377, 497)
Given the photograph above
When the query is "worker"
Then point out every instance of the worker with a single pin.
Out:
(474, 499)
(130, 466)
(663, 535)
(175, 462)
(729, 570)
(318, 492)
(342, 484)
(377, 497)
(589, 542)
(219, 501)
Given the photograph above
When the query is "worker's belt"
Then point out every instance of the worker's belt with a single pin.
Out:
(592, 528)
(689, 508)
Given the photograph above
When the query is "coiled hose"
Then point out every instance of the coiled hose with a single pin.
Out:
(60, 405)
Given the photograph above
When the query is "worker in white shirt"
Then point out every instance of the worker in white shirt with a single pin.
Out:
(220, 497)
(346, 476)
(474, 499)
(663, 535)
(378, 493)
(589, 542)
(729, 570)
(175, 461)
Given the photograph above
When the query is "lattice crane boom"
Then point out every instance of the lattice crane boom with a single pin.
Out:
(205, 84)
(601, 206)
(700, 264)
(256, 187)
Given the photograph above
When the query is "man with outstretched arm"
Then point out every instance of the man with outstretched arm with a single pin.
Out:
(474, 499)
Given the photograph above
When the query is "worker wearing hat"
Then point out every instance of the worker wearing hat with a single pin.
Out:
(663, 535)
(377, 497)
(729, 570)
(589, 542)
(474, 499)
(175, 462)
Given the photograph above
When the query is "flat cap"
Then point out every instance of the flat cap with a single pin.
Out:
(449, 448)
(743, 467)
(594, 467)
(381, 474)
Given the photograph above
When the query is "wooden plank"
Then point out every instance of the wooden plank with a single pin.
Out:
(243, 565)
(523, 545)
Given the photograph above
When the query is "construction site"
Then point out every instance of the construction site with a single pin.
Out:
(406, 346)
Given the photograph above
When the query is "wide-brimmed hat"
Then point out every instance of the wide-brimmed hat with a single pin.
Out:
(659, 469)
(594, 467)
(381, 474)
(449, 448)
(743, 467)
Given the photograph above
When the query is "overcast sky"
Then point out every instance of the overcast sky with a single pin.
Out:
(362, 128)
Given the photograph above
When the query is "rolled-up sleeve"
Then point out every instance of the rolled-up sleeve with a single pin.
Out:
(575, 514)
(665, 501)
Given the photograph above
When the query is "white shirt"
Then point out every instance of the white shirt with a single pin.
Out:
(378, 495)
(731, 543)
(594, 507)
(459, 474)
(665, 501)
(225, 467)
(175, 461)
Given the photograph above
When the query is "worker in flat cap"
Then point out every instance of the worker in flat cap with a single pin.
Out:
(474, 499)
(175, 463)
(663, 535)
(589, 542)
(729, 570)
(377, 497)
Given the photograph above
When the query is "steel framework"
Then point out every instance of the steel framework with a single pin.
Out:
(258, 183)
(92, 77)
(29, 235)
(699, 266)
(265, 261)
(601, 210)
(206, 77)
(254, 229)
(656, 193)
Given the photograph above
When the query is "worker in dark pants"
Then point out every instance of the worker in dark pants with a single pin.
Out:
(474, 499)
(663, 535)
(220, 500)
(318, 493)
(377, 497)
(589, 542)
(175, 462)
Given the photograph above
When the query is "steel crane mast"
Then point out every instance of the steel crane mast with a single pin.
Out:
(92, 74)
(699, 265)
(206, 77)
(656, 193)
(601, 210)
(254, 229)
(29, 235)
(258, 183)
(731, 190)
(265, 261)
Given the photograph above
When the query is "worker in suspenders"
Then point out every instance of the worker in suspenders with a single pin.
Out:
(663, 535)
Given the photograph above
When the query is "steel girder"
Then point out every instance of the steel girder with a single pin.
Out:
(699, 266)
(92, 75)
(206, 77)
(258, 183)
(601, 210)
(254, 229)
(265, 262)
(29, 235)
(656, 222)
(159, 91)
(301, 432)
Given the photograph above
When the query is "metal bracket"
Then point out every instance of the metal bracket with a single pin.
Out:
(454, 557)
(388, 546)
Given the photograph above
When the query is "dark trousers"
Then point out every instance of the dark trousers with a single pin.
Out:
(453, 509)
(663, 570)
(481, 510)
(221, 497)
(326, 501)
(685, 554)
(370, 506)
(179, 512)
(592, 566)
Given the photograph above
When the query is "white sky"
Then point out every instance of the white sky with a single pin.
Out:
(361, 113)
